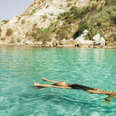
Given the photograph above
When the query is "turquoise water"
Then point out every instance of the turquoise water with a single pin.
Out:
(19, 68)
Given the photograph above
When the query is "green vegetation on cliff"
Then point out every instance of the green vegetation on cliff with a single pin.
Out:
(44, 34)
(98, 17)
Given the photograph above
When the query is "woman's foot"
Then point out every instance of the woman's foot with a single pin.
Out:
(36, 84)
(44, 79)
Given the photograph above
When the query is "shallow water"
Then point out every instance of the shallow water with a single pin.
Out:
(19, 68)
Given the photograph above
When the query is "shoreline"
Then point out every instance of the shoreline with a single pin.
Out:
(61, 46)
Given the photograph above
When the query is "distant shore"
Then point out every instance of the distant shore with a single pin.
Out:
(59, 46)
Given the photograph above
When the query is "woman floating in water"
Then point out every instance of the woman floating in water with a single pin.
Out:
(77, 86)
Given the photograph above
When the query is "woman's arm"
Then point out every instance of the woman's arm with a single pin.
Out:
(42, 85)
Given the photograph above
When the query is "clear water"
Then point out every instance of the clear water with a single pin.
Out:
(19, 68)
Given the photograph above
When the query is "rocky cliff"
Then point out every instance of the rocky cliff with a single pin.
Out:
(51, 21)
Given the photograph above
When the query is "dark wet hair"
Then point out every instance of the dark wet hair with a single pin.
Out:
(82, 87)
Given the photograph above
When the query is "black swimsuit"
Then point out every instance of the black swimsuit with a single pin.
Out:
(77, 86)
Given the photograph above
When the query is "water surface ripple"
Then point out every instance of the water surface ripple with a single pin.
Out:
(19, 68)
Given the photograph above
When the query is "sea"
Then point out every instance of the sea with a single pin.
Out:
(21, 67)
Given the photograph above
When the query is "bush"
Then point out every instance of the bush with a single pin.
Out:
(110, 2)
(74, 10)
(84, 11)
(44, 33)
(3, 38)
(9, 32)
(82, 26)
(114, 37)
(69, 4)
(113, 18)
(18, 40)
(45, 17)
(0, 30)
(70, 16)
(63, 32)
(99, 24)
(33, 11)
(5, 21)
(73, 14)
(23, 21)
(94, 5)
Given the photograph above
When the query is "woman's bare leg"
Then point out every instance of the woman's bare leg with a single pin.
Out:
(100, 91)
(51, 81)
(96, 91)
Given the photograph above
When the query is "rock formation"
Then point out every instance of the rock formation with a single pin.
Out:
(49, 22)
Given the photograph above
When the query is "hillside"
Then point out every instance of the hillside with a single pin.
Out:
(49, 22)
